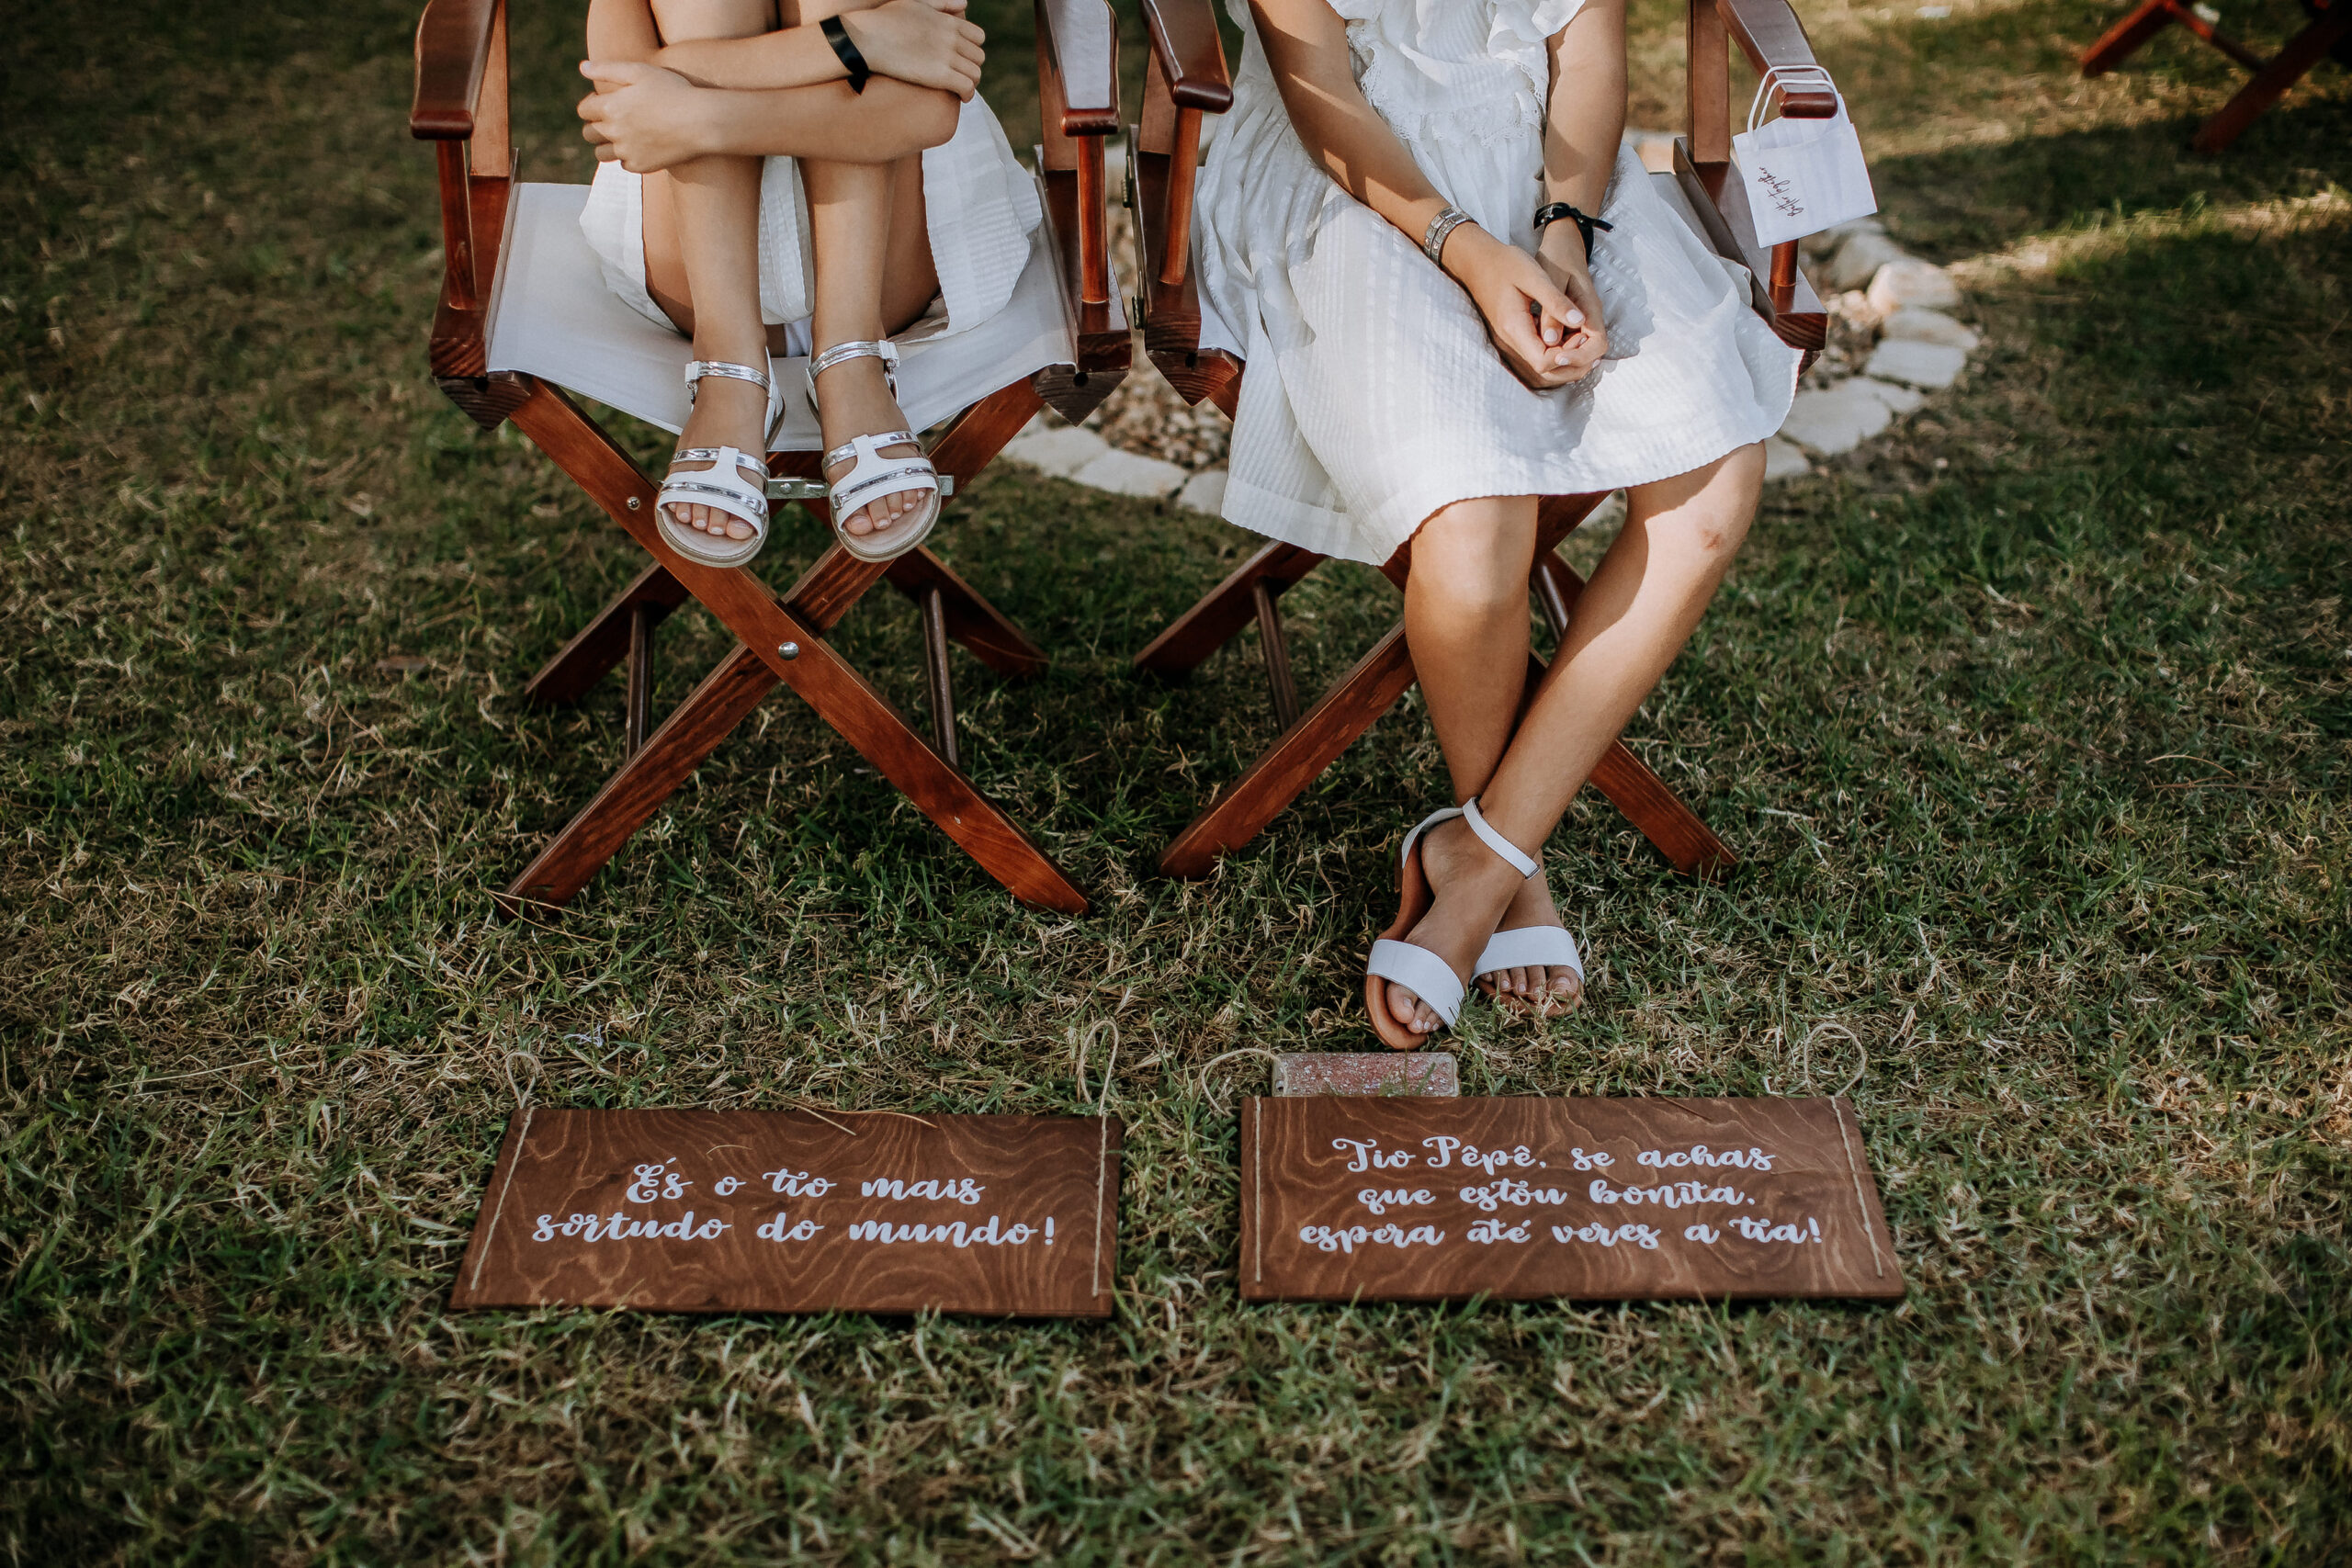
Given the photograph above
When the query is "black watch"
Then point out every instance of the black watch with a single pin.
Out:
(1553, 211)
(838, 36)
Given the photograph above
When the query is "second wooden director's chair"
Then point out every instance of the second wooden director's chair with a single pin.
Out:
(525, 314)
(1200, 357)
(2329, 31)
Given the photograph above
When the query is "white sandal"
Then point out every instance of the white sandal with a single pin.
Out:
(1524, 947)
(1417, 969)
(721, 486)
(875, 475)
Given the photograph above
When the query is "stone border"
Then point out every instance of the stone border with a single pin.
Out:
(1891, 342)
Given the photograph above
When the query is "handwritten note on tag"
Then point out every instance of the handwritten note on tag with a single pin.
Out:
(1803, 175)
(1441, 1200)
(788, 1210)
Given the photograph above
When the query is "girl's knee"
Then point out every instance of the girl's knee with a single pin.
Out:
(931, 121)
(1709, 521)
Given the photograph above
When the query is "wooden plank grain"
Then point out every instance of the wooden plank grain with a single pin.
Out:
(1346, 1199)
(794, 1211)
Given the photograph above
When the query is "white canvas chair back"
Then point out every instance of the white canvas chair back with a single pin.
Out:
(554, 318)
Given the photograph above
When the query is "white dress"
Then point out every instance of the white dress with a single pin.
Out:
(980, 205)
(1374, 397)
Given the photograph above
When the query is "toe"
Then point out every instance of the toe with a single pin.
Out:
(1405, 1007)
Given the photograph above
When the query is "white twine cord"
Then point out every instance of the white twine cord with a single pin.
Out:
(1780, 77)
(1804, 1055)
(1209, 1093)
(1085, 1044)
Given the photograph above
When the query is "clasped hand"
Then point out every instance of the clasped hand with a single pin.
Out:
(643, 114)
(1542, 311)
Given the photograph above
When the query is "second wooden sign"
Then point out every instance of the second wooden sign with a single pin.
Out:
(1441, 1200)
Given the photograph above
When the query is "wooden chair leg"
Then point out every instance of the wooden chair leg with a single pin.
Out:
(639, 711)
(1223, 610)
(1276, 648)
(2286, 68)
(967, 617)
(2119, 41)
(1354, 702)
(943, 688)
(787, 639)
(634, 792)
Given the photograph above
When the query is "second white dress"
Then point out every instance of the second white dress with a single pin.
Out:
(1374, 397)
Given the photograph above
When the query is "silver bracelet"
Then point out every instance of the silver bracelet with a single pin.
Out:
(1443, 224)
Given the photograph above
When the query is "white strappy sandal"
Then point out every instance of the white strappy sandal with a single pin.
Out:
(1426, 975)
(875, 475)
(1525, 947)
(722, 485)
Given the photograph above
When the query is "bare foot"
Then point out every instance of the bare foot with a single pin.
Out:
(726, 412)
(1472, 888)
(1553, 988)
(853, 399)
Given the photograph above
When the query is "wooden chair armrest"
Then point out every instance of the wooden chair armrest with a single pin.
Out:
(452, 58)
(1191, 55)
(1078, 43)
(1768, 33)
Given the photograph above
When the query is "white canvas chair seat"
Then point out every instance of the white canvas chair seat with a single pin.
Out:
(552, 316)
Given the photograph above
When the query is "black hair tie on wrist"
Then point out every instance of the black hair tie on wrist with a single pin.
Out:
(838, 36)
(1551, 212)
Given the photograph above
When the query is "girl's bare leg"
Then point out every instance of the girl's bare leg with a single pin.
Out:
(709, 247)
(1631, 621)
(874, 275)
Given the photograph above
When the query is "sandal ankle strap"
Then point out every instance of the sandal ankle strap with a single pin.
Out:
(727, 370)
(1505, 850)
(882, 349)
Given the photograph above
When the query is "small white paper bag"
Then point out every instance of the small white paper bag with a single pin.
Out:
(1803, 175)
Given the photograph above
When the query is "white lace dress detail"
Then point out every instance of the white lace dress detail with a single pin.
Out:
(1386, 400)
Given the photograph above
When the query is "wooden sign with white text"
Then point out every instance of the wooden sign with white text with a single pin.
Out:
(1346, 1199)
(788, 1210)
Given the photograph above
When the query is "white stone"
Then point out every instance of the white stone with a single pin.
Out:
(1205, 491)
(1898, 400)
(1859, 260)
(1784, 461)
(1838, 420)
(1061, 453)
(1908, 281)
(1130, 473)
(1929, 327)
(1829, 239)
(1930, 365)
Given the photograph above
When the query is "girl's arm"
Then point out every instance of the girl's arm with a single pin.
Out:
(925, 42)
(1540, 332)
(1584, 122)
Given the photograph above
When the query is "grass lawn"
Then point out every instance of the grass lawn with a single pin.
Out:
(2033, 721)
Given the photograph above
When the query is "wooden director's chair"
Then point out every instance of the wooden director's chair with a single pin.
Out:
(2329, 31)
(1200, 356)
(525, 314)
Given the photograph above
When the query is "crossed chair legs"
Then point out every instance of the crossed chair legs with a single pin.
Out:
(783, 640)
(777, 640)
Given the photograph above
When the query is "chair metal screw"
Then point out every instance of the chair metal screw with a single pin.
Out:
(788, 651)
(632, 503)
